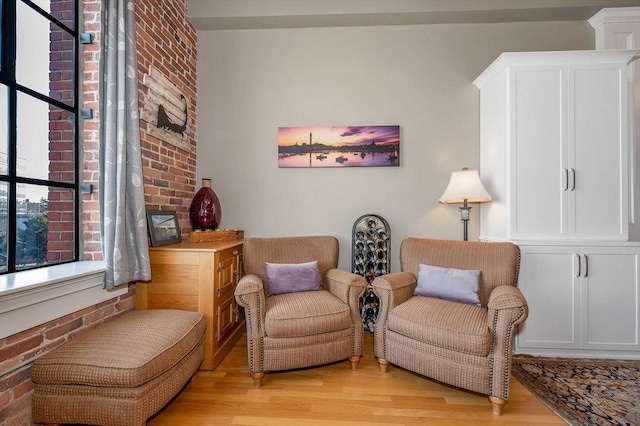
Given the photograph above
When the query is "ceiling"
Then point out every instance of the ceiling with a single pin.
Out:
(262, 14)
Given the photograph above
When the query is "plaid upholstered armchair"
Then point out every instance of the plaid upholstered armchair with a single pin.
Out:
(300, 310)
(451, 314)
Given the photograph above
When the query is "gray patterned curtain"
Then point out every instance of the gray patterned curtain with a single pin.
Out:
(124, 225)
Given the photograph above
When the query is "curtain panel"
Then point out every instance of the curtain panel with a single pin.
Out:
(122, 207)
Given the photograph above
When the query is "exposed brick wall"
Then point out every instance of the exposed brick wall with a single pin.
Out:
(61, 207)
(19, 350)
(92, 246)
(166, 41)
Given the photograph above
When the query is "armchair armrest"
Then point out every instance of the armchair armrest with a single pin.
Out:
(507, 308)
(344, 285)
(249, 294)
(394, 288)
(347, 287)
(506, 297)
(248, 284)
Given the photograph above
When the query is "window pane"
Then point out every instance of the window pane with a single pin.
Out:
(45, 141)
(44, 56)
(45, 226)
(4, 224)
(62, 10)
(43, 4)
(4, 113)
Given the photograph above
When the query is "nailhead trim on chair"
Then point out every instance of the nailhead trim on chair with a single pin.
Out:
(507, 357)
(508, 348)
(250, 345)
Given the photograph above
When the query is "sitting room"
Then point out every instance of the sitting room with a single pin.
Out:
(161, 160)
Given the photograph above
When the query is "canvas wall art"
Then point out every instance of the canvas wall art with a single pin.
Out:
(339, 146)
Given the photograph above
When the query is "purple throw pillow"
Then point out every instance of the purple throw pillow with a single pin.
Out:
(457, 285)
(293, 277)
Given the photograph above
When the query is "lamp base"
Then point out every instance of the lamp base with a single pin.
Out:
(465, 212)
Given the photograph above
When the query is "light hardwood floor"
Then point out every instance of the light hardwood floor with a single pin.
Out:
(335, 395)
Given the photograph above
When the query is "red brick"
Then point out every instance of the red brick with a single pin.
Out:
(63, 329)
(16, 349)
(99, 315)
(17, 412)
(23, 388)
(5, 397)
(13, 379)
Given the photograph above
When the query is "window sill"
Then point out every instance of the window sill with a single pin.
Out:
(31, 298)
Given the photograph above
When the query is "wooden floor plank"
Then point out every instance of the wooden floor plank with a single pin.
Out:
(336, 395)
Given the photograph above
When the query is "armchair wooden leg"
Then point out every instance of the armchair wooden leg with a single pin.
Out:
(257, 379)
(384, 364)
(354, 360)
(496, 405)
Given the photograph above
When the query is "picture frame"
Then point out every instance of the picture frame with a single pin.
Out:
(339, 146)
(163, 227)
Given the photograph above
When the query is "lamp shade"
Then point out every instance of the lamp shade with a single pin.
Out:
(465, 185)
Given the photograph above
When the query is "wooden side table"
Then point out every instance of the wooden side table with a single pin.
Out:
(198, 277)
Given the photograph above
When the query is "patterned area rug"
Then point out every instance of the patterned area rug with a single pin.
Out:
(584, 391)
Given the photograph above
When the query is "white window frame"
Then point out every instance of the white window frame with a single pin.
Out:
(35, 297)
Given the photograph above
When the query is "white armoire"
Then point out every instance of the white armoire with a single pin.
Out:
(556, 155)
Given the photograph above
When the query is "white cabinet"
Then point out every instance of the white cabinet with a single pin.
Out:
(557, 157)
(582, 299)
(554, 146)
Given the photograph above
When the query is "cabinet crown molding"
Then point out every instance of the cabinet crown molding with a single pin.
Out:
(615, 15)
(574, 57)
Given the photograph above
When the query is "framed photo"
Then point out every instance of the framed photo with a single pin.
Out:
(339, 146)
(163, 227)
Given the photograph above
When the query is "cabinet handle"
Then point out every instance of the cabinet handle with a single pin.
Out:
(573, 174)
(586, 266)
(236, 273)
(566, 179)
(235, 252)
(579, 265)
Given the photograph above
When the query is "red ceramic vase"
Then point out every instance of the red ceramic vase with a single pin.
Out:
(205, 211)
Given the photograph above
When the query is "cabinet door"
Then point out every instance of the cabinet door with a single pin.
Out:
(610, 298)
(226, 277)
(538, 179)
(225, 285)
(226, 318)
(549, 283)
(570, 153)
(598, 152)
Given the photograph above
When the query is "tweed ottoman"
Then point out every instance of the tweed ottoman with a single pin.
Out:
(121, 372)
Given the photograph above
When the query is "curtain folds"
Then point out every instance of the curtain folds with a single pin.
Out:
(122, 205)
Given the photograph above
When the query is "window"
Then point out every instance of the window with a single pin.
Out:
(39, 134)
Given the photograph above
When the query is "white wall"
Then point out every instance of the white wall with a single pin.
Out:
(250, 82)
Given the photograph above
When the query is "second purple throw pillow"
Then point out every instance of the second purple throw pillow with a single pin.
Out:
(457, 285)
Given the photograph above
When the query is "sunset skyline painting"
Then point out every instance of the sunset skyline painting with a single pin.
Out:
(339, 146)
